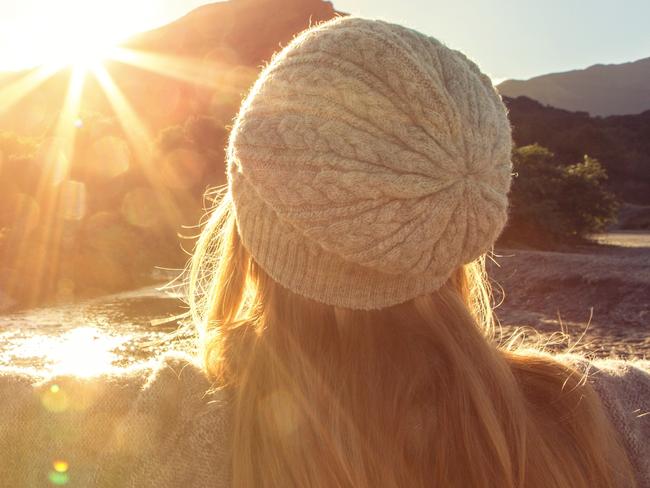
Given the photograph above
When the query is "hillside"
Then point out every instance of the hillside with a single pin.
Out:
(246, 32)
(612, 89)
(621, 142)
(201, 62)
(91, 207)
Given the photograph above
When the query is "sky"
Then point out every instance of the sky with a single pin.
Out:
(506, 38)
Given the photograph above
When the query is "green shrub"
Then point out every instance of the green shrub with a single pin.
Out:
(551, 203)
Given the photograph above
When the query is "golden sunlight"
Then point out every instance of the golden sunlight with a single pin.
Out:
(98, 111)
(77, 37)
(84, 351)
(77, 33)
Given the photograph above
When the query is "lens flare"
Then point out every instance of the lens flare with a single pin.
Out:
(182, 169)
(139, 208)
(55, 400)
(109, 157)
(58, 479)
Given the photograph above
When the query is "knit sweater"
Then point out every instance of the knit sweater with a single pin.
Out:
(165, 427)
(159, 427)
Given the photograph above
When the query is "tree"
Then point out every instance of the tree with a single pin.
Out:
(589, 207)
(550, 202)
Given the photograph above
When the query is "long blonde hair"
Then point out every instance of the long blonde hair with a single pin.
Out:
(417, 394)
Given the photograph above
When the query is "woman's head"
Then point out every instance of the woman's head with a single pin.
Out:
(340, 289)
(368, 163)
(228, 287)
(333, 396)
(416, 394)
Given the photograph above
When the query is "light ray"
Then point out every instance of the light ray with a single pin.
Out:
(67, 124)
(184, 69)
(140, 139)
(17, 90)
(55, 158)
(137, 133)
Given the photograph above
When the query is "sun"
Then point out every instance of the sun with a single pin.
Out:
(76, 33)
(79, 53)
(81, 49)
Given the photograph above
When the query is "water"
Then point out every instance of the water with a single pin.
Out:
(131, 328)
(90, 337)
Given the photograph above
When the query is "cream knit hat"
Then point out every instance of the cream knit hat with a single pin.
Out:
(368, 162)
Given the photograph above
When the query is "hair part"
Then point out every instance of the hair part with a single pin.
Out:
(417, 394)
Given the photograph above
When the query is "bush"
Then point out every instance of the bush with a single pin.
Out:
(551, 203)
(588, 205)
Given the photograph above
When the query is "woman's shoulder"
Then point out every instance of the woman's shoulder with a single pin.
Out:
(621, 383)
(174, 380)
(179, 430)
(163, 424)
(624, 389)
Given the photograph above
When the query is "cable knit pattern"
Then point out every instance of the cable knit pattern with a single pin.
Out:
(367, 163)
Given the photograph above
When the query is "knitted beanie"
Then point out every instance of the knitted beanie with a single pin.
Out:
(368, 162)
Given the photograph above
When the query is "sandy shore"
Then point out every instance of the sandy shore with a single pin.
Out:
(598, 294)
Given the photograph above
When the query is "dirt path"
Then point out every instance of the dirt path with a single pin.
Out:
(601, 293)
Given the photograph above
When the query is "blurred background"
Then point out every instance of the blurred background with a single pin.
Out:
(114, 117)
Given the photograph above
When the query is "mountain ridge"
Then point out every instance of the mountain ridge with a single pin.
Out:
(221, 46)
(600, 89)
(620, 142)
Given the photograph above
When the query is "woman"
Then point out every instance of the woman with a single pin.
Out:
(340, 293)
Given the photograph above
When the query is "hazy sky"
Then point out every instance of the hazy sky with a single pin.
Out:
(507, 38)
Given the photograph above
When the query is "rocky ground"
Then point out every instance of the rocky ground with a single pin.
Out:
(599, 295)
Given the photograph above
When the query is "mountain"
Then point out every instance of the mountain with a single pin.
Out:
(245, 31)
(620, 142)
(204, 61)
(602, 89)
(93, 211)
